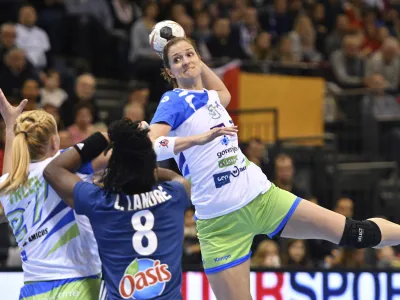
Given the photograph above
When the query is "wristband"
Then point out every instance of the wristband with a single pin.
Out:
(164, 147)
(91, 147)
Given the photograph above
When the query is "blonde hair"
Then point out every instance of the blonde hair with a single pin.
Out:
(33, 130)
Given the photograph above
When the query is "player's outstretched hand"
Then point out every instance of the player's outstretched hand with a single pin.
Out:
(9, 112)
(216, 132)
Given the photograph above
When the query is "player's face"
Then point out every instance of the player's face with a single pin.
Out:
(184, 61)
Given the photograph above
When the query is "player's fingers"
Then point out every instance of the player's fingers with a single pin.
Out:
(2, 99)
(229, 131)
(22, 105)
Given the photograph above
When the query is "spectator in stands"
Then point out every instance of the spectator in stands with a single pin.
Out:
(277, 22)
(138, 92)
(347, 66)
(248, 29)
(30, 91)
(345, 207)
(202, 30)
(15, 71)
(333, 41)
(386, 258)
(302, 28)
(318, 19)
(256, 152)
(386, 62)
(296, 255)
(164, 7)
(51, 93)
(146, 64)
(85, 88)
(196, 7)
(191, 247)
(55, 112)
(134, 111)
(371, 41)
(98, 9)
(266, 255)
(8, 35)
(261, 47)
(309, 53)
(284, 176)
(187, 24)
(222, 45)
(285, 54)
(177, 10)
(349, 258)
(124, 14)
(83, 125)
(32, 39)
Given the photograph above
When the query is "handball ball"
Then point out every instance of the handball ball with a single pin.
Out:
(163, 32)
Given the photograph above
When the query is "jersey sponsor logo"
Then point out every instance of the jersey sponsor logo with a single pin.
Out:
(144, 279)
(226, 162)
(164, 143)
(213, 111)
(222, 179)
(236, 171)
(226, 257)
(219, 125)
(225, 140)
(36, 236)
(232, 150)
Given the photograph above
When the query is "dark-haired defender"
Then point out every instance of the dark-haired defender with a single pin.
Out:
(137, 221)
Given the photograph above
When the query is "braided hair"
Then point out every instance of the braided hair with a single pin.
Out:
(132, 163)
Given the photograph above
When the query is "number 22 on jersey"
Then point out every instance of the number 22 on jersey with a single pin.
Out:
(17, 216)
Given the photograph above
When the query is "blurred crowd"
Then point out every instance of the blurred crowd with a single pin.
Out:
(53, 53)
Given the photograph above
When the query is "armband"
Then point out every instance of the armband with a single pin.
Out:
(91, 147)
(164, 147)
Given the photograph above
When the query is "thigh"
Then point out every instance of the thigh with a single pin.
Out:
(273, 209)
(311, 221)
(66, 289)
(225, 241)
(233, 283)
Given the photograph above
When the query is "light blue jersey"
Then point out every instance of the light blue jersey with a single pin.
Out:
(56, 243)
(222, 178)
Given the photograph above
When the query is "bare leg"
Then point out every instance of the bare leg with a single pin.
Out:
(311, 221)
(390, 232)
(233, 283)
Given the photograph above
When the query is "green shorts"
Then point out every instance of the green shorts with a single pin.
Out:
(85, 288)
(225, 241)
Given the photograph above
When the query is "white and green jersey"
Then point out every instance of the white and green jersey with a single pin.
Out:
(222, 178)
(56, 243)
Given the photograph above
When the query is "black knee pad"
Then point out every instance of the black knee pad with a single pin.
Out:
(360, 234)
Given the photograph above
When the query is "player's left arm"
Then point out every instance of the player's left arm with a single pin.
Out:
(212, 82)
(60, 174)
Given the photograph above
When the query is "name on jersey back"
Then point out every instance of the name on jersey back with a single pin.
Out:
(143, 200)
